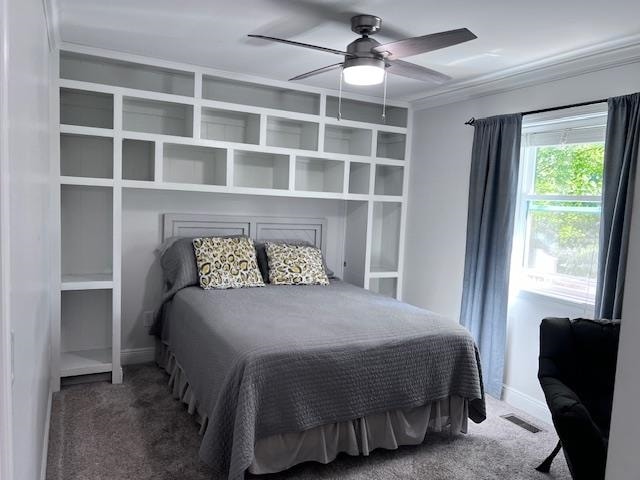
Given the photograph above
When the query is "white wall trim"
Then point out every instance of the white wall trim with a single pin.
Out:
(131, 356)
(606, 55)
(52, 21)
(6, 384)
(45, 443)
(526, 403)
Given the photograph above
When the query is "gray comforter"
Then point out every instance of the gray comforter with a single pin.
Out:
(283, 359)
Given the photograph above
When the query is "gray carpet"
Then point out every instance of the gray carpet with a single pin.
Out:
(138, 431)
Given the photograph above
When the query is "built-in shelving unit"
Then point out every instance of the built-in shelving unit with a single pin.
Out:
(127, 122)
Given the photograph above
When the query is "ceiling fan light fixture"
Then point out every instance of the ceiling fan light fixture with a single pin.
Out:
(363, 71)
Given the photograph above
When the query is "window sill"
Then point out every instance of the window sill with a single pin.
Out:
(549, 298)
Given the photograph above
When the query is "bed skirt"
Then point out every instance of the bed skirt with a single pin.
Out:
(322, 444)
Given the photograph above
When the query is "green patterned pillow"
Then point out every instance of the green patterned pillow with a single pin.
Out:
(227, 263)
(295, 265)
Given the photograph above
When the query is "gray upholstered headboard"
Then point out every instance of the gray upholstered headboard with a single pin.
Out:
(313, 230)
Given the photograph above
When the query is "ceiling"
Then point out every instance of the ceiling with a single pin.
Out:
(212, 33)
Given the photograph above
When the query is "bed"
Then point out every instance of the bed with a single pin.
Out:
(279, 375)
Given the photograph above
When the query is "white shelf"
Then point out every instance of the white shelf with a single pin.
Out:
(87, 109)
(195, 165)
(378, 271)
(100, 70)
(85, 362)
(230, 126)
(138, 160)
(257, 95)
(153, 116)
(86, 156)
(389, 180)
(391, 145)
(319, 175)
(88, 281)
(359, 178)
(347, 140)
(296, 134)
(367, 112)
(260, 170)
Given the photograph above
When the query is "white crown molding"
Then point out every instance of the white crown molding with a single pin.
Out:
(52, 21)
(570, 64)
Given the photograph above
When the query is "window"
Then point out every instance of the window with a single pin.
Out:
(558, 215)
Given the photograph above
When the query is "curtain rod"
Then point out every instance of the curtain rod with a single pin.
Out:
(472, 120)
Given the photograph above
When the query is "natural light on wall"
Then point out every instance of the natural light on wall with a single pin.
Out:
(556, 236)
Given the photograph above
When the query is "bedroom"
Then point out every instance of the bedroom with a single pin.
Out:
(125, 124)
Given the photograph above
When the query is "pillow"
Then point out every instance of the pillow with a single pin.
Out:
(295, 265)
(263, 262)
(226, 263)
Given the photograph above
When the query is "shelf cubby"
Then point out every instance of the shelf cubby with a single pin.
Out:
(87, 230)
(86, 156)
(261, 170)
(138, 160)
(347, 140)
(385, 236)
(86, 321)
(391, 145)
(118, 73)
(246, 93)
(194, 164)
(319, 175)
(367, 112)
(389, 179)
(287, 133)
(230, 126)
(384, 286)
(359, 177)
(85, 108)
(153, 116)
(355, 240)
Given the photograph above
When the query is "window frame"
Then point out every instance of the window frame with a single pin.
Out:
(549, 122)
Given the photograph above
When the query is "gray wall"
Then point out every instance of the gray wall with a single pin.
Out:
(28, 233)
(142, 234)
(437, 214)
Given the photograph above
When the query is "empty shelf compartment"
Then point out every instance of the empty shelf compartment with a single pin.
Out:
(347, 140)
(230, 126)
(385, 236)
(153, 116)
(86, 156)
(138, 160)
(389, 179)
(261, 170)
(384, 286)
(87, 109)
(194, 164)
(283, 132)
(319, 175)
(367, 112)
(391, 145)
(245, 93)
(359, 177)
(88, 68)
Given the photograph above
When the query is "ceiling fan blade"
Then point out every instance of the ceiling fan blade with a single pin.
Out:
(426, 43)
(299, 44)
(417, 72)
(318, 71)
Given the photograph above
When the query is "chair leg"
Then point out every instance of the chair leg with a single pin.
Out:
(546, 465)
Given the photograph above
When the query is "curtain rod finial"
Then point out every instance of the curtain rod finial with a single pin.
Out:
(471, 121)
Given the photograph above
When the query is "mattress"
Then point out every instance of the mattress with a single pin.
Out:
(263, 362)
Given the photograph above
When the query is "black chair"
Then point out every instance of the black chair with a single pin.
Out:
(577, 373)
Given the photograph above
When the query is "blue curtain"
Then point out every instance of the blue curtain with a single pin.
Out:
(493, 188)
(622, 146)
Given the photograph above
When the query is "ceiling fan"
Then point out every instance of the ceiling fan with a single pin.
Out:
(366, 60)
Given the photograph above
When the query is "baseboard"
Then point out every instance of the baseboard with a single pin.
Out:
(45, 443)
(137, 355)
(526, 403)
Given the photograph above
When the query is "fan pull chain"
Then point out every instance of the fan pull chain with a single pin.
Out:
(340, 96)
(384, 98)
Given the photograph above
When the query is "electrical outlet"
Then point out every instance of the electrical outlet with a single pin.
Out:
(147, 318)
